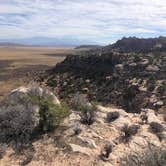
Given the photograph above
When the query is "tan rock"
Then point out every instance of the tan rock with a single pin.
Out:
(152, 68)
(80, 149)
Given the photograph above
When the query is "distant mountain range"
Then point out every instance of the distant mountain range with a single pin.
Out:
(7, 44)
(131, 44)
(46, 41)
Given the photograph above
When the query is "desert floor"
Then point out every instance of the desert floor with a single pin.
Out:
(18, 65)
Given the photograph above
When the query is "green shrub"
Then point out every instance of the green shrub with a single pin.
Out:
(19, 122)
(51, 82)
(136, 57)
(50, 114)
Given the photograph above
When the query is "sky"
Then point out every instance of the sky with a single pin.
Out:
(98, 21)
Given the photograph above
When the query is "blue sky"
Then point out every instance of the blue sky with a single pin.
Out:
(101, 21)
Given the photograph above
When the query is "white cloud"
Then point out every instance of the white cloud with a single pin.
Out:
(97, 20)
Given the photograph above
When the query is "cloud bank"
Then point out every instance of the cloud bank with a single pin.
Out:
(91, 20)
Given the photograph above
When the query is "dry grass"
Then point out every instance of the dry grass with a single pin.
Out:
(18, 64)
(22, 56)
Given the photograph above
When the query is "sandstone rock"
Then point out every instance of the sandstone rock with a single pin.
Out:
(132, 64)
(54, 98)
(152, 68)
(85, 89)
(87, 81)
(33, 91)
(138, 143)
(119, 67)
(152, 116)
(153, 99)
(144, 62)
(80, 149)
(90, 142)
(21, 89)
(159, 103)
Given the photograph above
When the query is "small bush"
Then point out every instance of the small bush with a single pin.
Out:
(87, 110)
(151, 83)
(2, 150)
(144, 118)
(76, 129)
(151, 156)
(136, 57)
(129, 131)
(20, 121)
(112, 116)
(156, 127)
(106, 151)
(87, 114)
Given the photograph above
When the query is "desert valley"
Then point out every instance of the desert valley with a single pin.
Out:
(84, 106)
(82, 83)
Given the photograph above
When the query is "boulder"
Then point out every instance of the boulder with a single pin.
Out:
(152, 68)
(80, 149)
(20, 92)
(151, 116)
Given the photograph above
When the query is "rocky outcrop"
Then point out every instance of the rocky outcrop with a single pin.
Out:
(124, 79)
(100, 143)
(133, 44)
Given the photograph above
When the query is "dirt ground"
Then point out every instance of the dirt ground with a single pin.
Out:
(19, 65)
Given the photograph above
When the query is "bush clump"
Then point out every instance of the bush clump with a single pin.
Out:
(151, 156)
(156, 127)
(25, 116)
(144, 118)
(17, 123)
(112, 116)
(87, 114)
(129, 131)
(87, 110)
(106, 151)
(51, 115)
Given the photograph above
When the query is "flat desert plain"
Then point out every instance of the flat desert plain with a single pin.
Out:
(18, 65)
